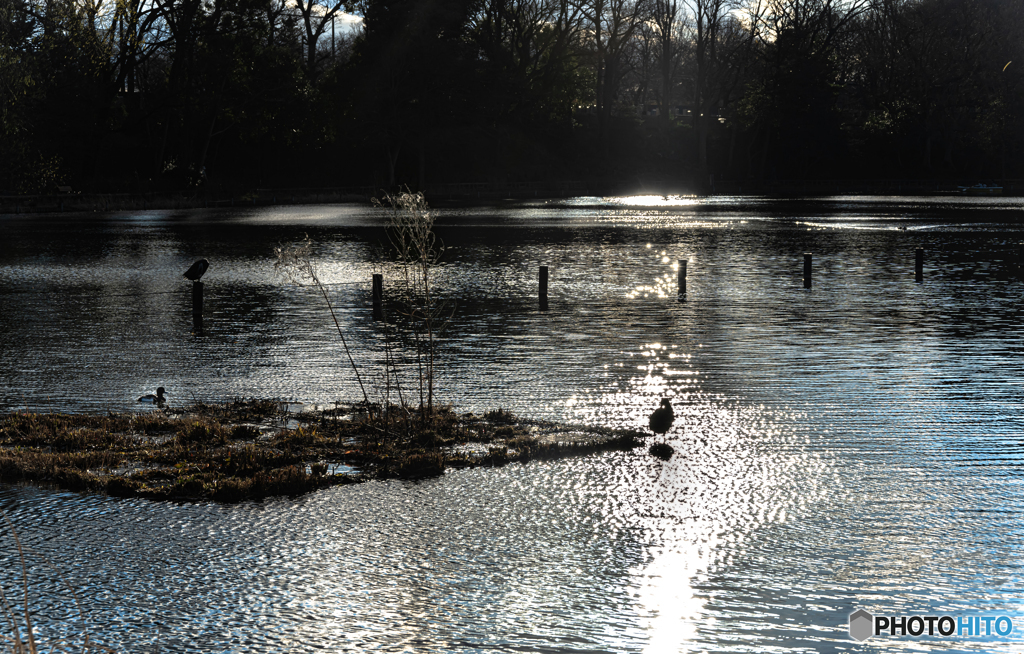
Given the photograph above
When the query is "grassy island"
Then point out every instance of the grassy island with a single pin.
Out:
(255, 449)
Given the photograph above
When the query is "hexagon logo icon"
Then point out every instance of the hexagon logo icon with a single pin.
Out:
(860, 625)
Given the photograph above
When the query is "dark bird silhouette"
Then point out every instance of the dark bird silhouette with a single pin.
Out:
(158, 398)
(197, 270)
(660, 423)
(661, 419)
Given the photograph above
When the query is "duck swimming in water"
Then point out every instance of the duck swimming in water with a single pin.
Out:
(158, 398)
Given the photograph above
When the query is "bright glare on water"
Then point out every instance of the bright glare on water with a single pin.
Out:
(856, 445)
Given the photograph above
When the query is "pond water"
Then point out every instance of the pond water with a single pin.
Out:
(856, 445)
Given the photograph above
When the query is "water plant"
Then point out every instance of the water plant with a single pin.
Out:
(18, 645)
(22, 636)
(418, 251)
(296, 263)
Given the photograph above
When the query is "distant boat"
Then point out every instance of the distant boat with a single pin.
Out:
(981, 189)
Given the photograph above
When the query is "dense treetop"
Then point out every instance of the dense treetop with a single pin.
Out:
(144, 95)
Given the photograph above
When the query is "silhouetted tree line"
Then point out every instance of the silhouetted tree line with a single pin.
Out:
(138, 95)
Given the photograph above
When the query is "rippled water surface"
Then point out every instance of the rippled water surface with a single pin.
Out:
(855, 445)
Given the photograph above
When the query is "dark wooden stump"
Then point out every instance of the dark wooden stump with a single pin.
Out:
(378, 297)
(197, 307)
(543, 287)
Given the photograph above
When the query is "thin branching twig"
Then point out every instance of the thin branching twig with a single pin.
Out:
(297, 264)
(410, 230)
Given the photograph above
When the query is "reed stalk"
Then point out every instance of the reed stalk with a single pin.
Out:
(297, 264)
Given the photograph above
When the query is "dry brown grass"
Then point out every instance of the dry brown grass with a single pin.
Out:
(219, 452)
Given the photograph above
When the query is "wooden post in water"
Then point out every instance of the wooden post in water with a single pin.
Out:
(197, 307)
(807, 269)
(682, 277)
(543, 288)
(378, 296)
(919, 265)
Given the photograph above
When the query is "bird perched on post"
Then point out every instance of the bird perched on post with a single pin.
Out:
(197, 270)
(660, 423)
(158, 398)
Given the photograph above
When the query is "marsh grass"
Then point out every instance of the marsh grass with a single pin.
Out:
(233, 452)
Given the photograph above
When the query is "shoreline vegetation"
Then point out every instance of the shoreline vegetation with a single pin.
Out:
(73, 200)
(254, 449)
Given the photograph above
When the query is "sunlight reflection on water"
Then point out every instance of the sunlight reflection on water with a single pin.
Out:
(657, 201)
(852, 446)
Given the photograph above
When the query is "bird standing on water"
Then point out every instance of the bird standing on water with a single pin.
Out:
(197, 270)
(158, 398)
(661, 419)
(660, 423)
